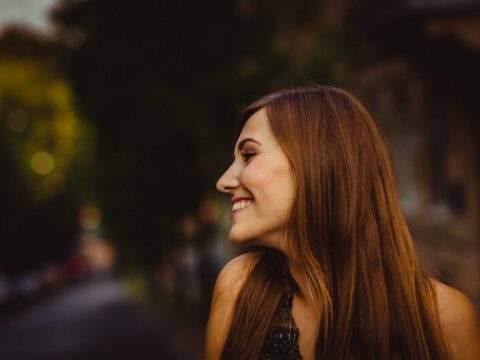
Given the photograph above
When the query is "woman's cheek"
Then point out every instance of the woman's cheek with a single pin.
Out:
(256, 175)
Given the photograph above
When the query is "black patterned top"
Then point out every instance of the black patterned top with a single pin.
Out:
(283, 342)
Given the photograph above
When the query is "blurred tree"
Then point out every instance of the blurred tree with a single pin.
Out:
(162, 83)
(41, 140)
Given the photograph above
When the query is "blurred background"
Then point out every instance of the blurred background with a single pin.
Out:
(117, 117)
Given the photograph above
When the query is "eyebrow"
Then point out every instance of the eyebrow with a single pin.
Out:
(242, 143)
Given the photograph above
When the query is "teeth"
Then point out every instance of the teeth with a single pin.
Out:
(241, 204)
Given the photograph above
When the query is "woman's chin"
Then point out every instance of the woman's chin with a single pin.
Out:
(239, 238)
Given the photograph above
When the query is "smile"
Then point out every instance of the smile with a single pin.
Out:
(240, 205)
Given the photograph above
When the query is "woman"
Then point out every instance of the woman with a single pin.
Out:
(331, 271)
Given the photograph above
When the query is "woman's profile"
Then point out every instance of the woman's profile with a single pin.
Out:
(330, 271)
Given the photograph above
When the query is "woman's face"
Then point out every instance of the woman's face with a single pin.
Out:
(261, 185)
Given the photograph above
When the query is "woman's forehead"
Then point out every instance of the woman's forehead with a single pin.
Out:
(256, 126)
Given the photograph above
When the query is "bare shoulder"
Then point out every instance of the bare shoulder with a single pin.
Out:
(459, 320)
(227, 287)
(234, 273)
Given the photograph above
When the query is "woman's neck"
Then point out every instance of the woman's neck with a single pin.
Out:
(298, 275)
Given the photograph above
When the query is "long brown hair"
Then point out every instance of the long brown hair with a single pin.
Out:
(360, 266)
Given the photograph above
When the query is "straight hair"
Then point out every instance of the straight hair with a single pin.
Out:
(372, 298)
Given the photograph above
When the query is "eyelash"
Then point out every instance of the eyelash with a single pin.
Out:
(248, 155)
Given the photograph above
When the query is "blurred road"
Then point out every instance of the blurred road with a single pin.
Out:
(95, 319)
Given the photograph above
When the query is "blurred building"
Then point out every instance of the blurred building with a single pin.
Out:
(418, 74)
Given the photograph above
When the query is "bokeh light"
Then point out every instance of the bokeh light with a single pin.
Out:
(43, 162)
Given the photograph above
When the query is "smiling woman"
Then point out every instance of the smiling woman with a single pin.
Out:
(261, 185)
(331, 271)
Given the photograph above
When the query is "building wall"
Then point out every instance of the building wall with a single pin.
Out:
(429, 136)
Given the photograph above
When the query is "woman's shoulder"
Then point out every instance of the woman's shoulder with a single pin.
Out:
(234, 273)
(459, 320)
(227, 287)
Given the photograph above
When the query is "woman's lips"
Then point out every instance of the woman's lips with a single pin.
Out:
(239, 205)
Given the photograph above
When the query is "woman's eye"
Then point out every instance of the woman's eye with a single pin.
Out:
(247, 155)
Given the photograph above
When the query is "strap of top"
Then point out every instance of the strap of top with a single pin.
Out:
(283, 344)
(286, 319)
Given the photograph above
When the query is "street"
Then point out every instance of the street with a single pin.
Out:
(94, 319)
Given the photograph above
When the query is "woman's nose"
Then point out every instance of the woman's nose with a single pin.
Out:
(228, 181)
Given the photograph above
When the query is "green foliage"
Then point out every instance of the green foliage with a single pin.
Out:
(44, 145)
(38, 117)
